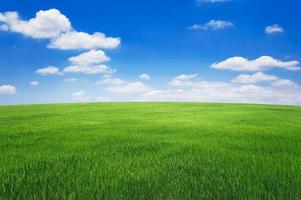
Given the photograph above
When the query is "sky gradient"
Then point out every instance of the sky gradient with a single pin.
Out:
(112, 50)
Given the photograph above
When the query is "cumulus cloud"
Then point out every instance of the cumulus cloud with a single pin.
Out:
(51, 70)
(134, 87)
(34, 83)
(274, 29)
(7, 89)
(95, 69)
(81, 40)
(183, 80)
(89, 63)
(145, 77)
(52, 24)
(212, 25)
(254, 78)
(259, 64)
(89, 58)
(46, 24)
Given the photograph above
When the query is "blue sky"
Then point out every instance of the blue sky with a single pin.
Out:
(113, 50)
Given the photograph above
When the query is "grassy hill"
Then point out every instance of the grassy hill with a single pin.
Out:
(150, 151)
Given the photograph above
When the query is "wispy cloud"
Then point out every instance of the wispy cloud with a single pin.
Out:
(254, 78)
(285, 83)
(260, 77)
(50, 70)
(183, 80)
(80, 96)
(70, 79)
(145, 77)
(274, 29)
(212, 25)
(200, 2)
(134, 87)
(110, 80)
(279, 91)
(34, 83)
(95, 69)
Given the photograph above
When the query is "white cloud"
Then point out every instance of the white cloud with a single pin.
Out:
(259, 64)
(7, 89)
(79, 94)
(89, 63)
(89, 58)
(111, 81)
(49, 71)
(212, 25)
(262, 77)
(280, 91)
(186, 77)
(285, 83)
(249, 89)
(183, 80)
(81, 40)
(51, 24)
(227, 92)
(94, 69)
(211, 1)
(46, 24)
(203, 91)
(134, 87)
(274, 29)
(4, 27)
(34, 83)
(70, 79)
(254, 78)
(103, 99)
(145, 76)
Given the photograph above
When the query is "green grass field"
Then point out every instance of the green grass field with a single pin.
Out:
(150, 151)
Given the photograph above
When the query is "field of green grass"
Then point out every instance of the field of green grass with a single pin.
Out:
(150, 151)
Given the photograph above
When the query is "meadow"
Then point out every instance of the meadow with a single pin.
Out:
(150, 151)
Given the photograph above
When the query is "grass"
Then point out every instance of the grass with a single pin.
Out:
(150, 151)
